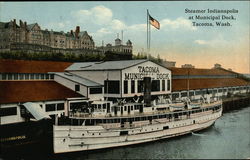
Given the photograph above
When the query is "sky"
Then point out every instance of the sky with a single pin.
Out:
(177, 39)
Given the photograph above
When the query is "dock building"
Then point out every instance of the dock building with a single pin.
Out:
(54, 85)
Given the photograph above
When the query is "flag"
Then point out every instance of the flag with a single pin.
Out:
(154, 22)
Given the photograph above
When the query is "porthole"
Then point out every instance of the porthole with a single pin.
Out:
(83, 134)
(93, 134)
(99, 133)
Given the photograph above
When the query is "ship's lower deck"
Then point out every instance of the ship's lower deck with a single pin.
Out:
(69, 138)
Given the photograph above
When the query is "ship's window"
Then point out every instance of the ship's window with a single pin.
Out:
(132, 108)
(125, 87)
(97, 90)
(104, 106)
(163, 85)
(184, 94)
(191, 93)
(197, 92)
(155, 85)
(60, 106)
(8, 111)
(140, 86)
(112, 87)
(50, 107)
(125, 108)
(77, 87)
(123, 133)
(132, 86)
(136, 107)
(168, 85)
(99, 106)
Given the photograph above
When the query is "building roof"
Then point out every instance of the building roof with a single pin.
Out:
(203, 83)
(30, 26)
(25, 66)
(4, 24)
(129, 42)
(83, 33)
(30, 91)
(196, 71)
(107, 65)
(58, 33)
(78, 79)
(7, 25)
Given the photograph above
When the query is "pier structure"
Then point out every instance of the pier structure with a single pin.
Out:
(57, 85)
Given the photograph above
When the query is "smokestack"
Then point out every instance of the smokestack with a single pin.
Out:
(21, 23)
(25, 25)
(77, 31)
(147, 91)
(14, 23)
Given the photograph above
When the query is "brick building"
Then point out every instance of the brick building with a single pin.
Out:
(14, 36)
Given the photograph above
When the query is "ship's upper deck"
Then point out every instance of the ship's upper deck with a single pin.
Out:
(148, 111)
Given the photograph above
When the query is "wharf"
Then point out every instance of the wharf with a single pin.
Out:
(235, 102)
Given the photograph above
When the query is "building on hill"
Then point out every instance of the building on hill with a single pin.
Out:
(32, 38)
(119, 51)
(14, 37)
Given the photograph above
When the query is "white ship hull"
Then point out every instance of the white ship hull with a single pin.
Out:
(83, 138)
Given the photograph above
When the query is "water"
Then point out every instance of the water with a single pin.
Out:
(229, 138)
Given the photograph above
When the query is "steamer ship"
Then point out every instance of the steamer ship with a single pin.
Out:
(104, 124)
